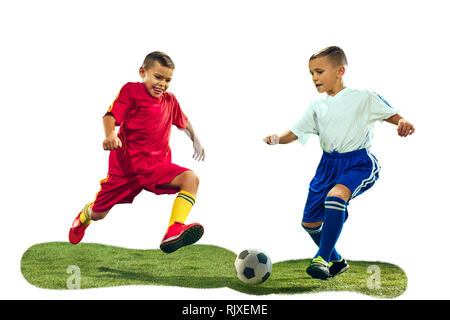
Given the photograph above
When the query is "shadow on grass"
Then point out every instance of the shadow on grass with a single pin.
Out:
(178, 281)
(199, 266)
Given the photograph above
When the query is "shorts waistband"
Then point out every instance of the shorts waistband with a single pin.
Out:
(335, 154)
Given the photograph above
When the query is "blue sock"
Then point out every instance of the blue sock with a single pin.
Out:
(335, 209)
(315, 234)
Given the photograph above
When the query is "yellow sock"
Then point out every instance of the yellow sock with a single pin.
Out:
(181, 206)
(85, 217)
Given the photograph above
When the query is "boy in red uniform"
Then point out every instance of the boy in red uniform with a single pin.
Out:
(140, 157)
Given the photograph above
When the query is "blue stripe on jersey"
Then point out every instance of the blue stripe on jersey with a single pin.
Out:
(382, 99)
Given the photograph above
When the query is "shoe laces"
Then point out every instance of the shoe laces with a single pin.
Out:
(319, 261)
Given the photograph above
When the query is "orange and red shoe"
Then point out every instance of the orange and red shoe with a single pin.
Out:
(179, 235)
(76, 232)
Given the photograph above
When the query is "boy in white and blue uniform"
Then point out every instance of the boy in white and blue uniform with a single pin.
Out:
(344, 122)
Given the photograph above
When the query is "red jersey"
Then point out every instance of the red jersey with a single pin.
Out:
(145, 124)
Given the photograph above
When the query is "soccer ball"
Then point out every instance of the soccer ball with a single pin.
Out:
(253, 266)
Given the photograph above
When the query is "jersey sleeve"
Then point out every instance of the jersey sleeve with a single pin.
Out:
(123, 102)
(179, 119)
(305, 126)
(379, 108)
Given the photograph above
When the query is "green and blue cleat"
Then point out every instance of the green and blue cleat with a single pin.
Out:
(320, 269)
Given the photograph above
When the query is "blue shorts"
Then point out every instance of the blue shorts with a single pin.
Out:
(357, 170)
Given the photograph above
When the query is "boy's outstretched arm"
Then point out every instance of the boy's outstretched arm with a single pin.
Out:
(404, 127)
(111, 141)
(286, 137)
(199, 152)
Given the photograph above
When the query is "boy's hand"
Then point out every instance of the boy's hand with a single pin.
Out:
(404, 128)
(272, 139)
(112, 142)
(199, 152)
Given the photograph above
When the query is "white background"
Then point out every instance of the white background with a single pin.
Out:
(241, 73)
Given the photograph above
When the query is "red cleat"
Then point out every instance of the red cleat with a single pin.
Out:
(179, 235)
(76, 233)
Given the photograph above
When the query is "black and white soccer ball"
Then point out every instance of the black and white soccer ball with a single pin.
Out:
(253, 266)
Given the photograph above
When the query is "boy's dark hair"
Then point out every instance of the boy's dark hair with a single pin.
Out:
(335, 54)
(160, 57)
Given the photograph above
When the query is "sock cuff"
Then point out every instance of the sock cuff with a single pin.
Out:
(85, 216)
(335, 203)
(186, 196)
(315, 230)
(86, 209)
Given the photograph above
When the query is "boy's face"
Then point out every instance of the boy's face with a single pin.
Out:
(156, 78)
(326, 77)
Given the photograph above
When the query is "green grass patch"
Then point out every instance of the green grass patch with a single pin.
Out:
(47, 265)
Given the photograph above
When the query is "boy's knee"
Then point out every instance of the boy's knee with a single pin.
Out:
(311, 225)
(192, 178)
(340, 191)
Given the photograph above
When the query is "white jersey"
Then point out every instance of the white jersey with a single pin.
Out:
(343, 122)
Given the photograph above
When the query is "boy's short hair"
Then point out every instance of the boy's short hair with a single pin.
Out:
(160, 57)
(335, 55)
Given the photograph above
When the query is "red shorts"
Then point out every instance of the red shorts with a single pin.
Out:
(123, 189)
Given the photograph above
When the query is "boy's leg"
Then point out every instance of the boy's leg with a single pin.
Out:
(314, 229)
(178, 234)
(113, 190)
(187, 182)
(360, 176)
(314, 215)
(79, 225)
(87, 214)
(335, 211)
(82, 221)
(335, 206)
(357, 172)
